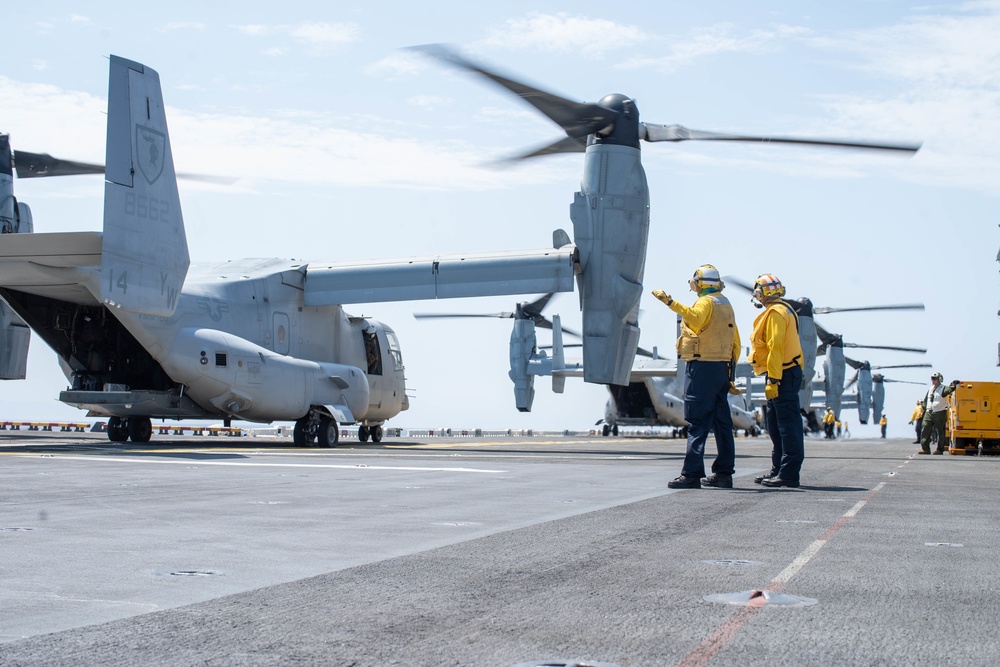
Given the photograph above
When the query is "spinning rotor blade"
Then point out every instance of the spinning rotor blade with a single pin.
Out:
(887, 347)
(903, 306)
(41, 165)
(852, 381)
(576, 119)
(680, 133)
(37, 165)
(527, 310)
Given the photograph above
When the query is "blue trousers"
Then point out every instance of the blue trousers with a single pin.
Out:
(706, 407)
(784, 425)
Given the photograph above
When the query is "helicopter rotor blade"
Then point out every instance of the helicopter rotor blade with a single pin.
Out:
(501, 315)
(577, 119)
(905, 366)
(38, 165)
(918, 350)
(852, 381)
(675, 133)
(564, 145)
(821, 310)
(43, 165)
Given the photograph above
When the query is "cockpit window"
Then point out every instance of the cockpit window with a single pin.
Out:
(397, 355)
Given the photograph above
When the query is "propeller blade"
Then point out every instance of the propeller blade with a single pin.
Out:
(43, 165)
(906, 366)
(38, 165)
(566, 145)
(733, 280)
(901, 381)
(422, 316)
(905, 306)
(576, 119)
(825, 336)
(888, 347)
(853, 380)
(680, 133)
(856, 365)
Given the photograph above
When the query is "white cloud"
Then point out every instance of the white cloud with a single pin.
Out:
(39, 65)
(326, 33)
(403, 63)
(715, 39)
(429, 101)
(275, 51)
(77, 18)
(942, 85)
(317, 148)
(314, 34)
(255, 29)
(564, 33)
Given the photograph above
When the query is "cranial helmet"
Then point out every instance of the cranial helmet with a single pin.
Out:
(706, 276)
(937, 376)
(768, 285)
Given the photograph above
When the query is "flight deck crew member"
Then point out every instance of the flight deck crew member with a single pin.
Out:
(935, 414)
(883, 423)
(776, 351)
(916, 418)
(710, 344)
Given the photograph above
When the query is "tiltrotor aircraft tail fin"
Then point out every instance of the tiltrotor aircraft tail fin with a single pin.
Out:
(145, 255)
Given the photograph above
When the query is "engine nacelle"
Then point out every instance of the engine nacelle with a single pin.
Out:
(522, 348)
(239, 378)
(610, 227)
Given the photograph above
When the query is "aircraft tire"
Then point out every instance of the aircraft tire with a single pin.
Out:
(376, 434)
(300, 438)
(606, 430)
(117, 431)
(329, 432)
(140, 429)
(614, 430)
(363, 433)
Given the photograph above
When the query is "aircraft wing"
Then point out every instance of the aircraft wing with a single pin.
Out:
(55, 265)
(441, 277)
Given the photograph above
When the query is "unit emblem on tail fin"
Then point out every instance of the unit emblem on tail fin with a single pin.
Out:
(149, 152)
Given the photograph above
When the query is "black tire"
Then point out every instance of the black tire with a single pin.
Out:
(329, 432)
(117, 430)
(140, 429)
(376, 434)
(363, 433)
(614, 430)
(300, 434)
(606, 430)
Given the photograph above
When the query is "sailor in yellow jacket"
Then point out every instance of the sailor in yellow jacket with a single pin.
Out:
(710, 346)
(775, 350)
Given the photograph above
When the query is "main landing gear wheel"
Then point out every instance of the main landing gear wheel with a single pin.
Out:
(117, 429)
(329, 432)
(376, 434)
(605, 430)
(363, 433)
(301, 435)
(140, 429)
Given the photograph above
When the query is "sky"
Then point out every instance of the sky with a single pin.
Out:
(348, 146)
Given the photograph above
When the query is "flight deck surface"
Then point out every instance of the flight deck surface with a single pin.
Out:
(482, 551)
